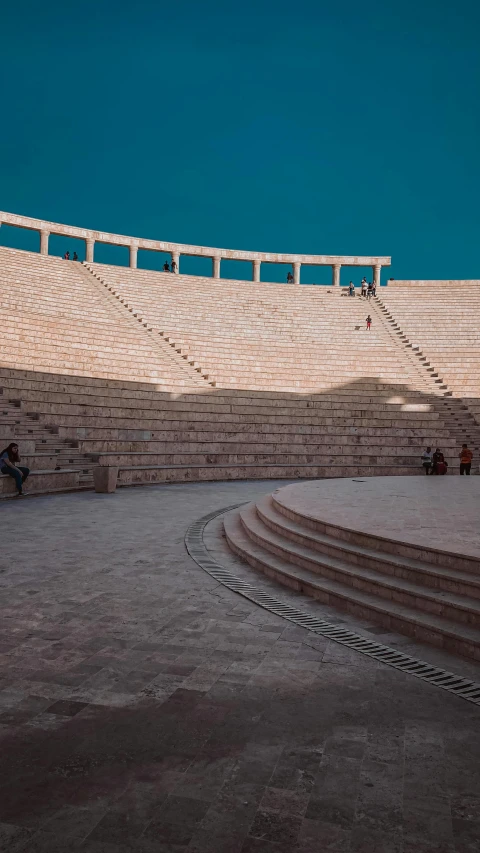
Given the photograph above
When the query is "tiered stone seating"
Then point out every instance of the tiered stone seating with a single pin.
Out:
(155, 436)
(302, 390)
(54, 463)
(55, 319)
(268, 336)
(439, 318)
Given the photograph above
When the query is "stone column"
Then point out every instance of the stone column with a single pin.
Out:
(176, 258)
(133, 257)
(44, 235)
(89, 244)
(377, 272)
(336, 274)
(296, 272)
(256, 270)
(216, 267)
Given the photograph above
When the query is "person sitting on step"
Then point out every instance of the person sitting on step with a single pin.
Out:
(427, 460)
(439, 465)
(166, 267)
(9, 460)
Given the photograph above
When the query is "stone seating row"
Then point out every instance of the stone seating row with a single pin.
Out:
(108, 392)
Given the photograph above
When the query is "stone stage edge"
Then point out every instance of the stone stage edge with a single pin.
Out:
(435, 512)
(145, 708)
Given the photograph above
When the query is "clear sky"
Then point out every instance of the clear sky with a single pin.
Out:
(349, 127)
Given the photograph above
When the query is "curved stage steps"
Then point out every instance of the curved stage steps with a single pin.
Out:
(429, 595)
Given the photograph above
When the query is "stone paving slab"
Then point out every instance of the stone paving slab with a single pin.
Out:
(144, 707)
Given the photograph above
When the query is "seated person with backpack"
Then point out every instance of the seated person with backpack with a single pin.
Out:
(439, 464)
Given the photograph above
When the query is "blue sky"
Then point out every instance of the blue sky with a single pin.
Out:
(349, 127)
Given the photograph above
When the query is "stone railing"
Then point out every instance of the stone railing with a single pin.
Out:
(177, 249)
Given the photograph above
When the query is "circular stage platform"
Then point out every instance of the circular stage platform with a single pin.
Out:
(401, 551)
(434, 512)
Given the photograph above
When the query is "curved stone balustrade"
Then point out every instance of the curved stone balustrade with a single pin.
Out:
(176, 249)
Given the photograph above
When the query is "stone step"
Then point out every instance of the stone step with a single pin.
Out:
(417, 572)
(143, 475)
(209, 430)
(203, 456)
(383, 544)
(427, 627)
(41, 482)
(229, 413)
(177, 444)
(448, 605)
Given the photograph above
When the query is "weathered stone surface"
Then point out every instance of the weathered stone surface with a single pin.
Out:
(105, 478)
(144, 707)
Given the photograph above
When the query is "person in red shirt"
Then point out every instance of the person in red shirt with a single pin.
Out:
(466, 457)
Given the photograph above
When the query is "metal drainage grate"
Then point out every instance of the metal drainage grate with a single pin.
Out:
(469, 690)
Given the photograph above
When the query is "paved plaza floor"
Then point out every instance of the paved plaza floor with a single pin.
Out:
(145, 707)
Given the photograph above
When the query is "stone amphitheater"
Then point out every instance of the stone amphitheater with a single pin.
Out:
(174, 378)
(334, 543)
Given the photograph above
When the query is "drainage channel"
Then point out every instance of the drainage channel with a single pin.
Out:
(463, 687)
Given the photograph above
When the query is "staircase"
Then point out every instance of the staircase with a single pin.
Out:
(410, 591)
(454, 412)
(164, 346)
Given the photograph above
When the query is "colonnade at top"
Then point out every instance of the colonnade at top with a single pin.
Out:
(176, 250)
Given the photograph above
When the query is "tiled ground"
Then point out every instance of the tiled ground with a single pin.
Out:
(144, 708)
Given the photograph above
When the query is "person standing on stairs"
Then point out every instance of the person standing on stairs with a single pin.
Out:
(9, 460)
(75, 256)
(368, 322)
(466, 457)
(166, 267)
(174, 266)
(66, 256)
(351, 289)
